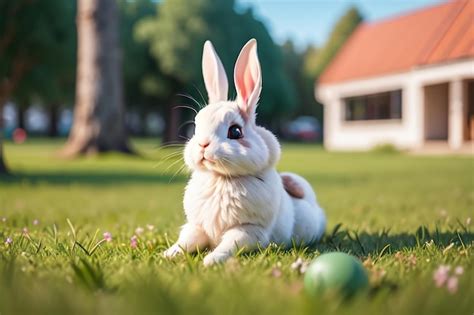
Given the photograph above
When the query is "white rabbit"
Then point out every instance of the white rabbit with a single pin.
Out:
(235, 198)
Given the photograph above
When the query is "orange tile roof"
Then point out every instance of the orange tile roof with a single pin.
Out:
(429, 36)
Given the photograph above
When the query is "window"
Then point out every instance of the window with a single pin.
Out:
(380, 106)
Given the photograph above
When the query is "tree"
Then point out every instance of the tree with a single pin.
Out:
(32, 35)
(293, 64)
(143, 92)
(341, 32)
(59, 87)
(311, 53)
(302, 81)
(3, 166)
(304, 68)
(99, 111)
(176, 36)
(52, 83)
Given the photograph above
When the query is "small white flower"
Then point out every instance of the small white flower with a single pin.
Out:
(297, 264)
(139, 230)
(459, 270)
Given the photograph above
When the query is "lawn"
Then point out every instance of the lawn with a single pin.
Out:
(402, 215)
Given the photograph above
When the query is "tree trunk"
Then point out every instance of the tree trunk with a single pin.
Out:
(171, 124)
(53, 121)
(3, 166)
(99, 123)
(21, 116)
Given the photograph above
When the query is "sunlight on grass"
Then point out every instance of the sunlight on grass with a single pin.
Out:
(403, 216)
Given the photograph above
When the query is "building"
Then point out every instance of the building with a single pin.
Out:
(406, 81)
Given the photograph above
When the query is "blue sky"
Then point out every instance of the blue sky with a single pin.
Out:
(311, 21)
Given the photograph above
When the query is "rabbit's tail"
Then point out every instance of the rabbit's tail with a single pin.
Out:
(310, 220)
(298, 187)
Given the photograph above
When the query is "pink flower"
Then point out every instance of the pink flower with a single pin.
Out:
(134, 241)
(441, 275)
(139, 230)
(276, 272)
(444, 277)
(108, 236)
(35, 222)
(8, 241)
(452, 284)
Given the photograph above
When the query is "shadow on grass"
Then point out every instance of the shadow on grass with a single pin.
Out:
(91, 178)
(381, 243)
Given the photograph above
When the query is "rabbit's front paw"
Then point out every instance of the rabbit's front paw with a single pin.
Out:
(173, 251)
(215, 258)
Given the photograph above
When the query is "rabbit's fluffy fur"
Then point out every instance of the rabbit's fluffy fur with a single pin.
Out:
(235, 198)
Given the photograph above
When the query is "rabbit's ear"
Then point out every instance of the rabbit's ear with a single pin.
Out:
(248, 78)
(214, 75)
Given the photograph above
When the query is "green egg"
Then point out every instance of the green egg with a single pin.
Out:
(335, 273)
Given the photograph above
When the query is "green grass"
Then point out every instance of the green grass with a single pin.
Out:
(402, 215)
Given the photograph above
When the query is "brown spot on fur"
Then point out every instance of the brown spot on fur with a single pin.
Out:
(292, 187)
(244, 142)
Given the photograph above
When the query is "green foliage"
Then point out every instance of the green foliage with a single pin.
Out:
(311, 56)
(341, 32)
(177, 34)
(385, 148)
(301, 81)
(142, 77)
(37, 50)
(402, 215)
(304, 68)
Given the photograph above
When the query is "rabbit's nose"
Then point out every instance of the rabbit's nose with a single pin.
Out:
(204, 144)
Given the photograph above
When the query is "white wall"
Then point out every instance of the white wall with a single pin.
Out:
(436, 111)
(406, 133)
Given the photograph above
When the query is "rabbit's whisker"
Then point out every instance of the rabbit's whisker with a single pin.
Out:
(168, 157)
(176, 153)
(171, 145)
(186, 123)
(190, 98)
(185, 106)
(177, 172)
(202, 97)
(172, 164)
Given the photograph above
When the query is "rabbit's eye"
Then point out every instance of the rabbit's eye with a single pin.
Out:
(235, 132)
